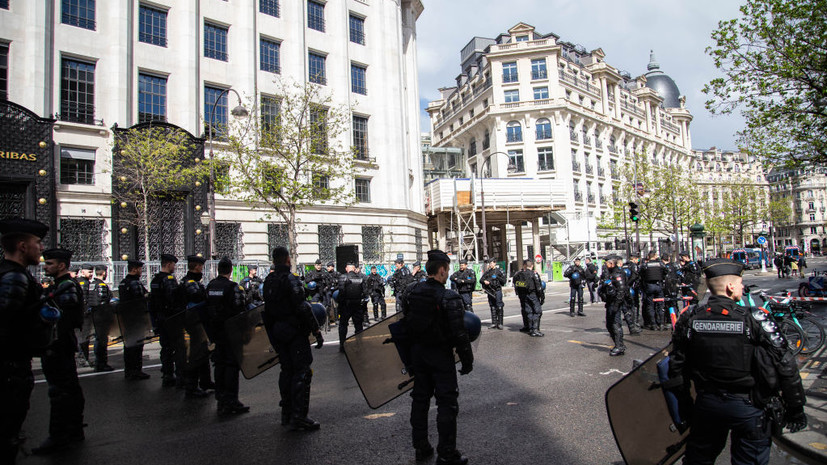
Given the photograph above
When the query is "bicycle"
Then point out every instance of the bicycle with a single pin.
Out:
(792, 332)
(800, 314)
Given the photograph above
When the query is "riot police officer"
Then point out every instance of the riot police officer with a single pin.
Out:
(252, 285)
(84, 279)
(590, 271)
(332, 280)
(635, 288)
(738, 361)
(492, 282)
(319, 278)
(670, 289)
(628, 300)
(289, 321)
(613, 291)
(690, 276)
(58, 363)
(99, 295)
(417, 273)
(529, 289)
(131, 289)
(21, 328)
(225, 299)
(434, 321)
(576, 276)
(399, 282)
(376, 290)
(351, 294)
(464, 281)
(168, 318)
(192, 294)
(652, 274)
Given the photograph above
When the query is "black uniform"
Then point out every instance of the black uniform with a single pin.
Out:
(289, 321)
(252, 288)
(197, 371)
(20, 329)
(399, 281)
(434, 322)
(591, 272)
(320, 278)
(613, 291)
(168, 316)
(496, 280)
(131, 289)
(652, 274)
(464, 281)
(225, 299)
(671, 289)
(58, 363)
(376, 290)
(351, 294)
(331, 285)
(86, 287)
(721, 348)
(630, 313)
(419, 276)
(99, 295)
(530, 292)
(577, 276)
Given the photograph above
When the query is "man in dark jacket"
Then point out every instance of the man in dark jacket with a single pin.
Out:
(492, 282)
(376, 290)
(252, 285)
(529, 290)
(351, 294)
(399, 281)
(576, 276)
(613, 291)
(464, 281)
(289, 321)
(434, 321)
(131, 289)
(168, 319)
(591, 272)
(99, 295)
(191, 295)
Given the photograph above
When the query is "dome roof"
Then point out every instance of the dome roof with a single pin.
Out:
(662, 83)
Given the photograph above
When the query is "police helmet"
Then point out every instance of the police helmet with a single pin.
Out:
(473, 325)
(312, 285)
(575, 275)
(628, 272)
(543, 285)
(319, 313)
(336, 295)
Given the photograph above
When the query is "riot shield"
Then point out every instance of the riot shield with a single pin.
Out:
(105, 322)
(198, 344)
(88, 328)
(250, 344)
(640, 416)
(134, 321)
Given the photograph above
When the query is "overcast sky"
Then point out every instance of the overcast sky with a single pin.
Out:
(677, 30)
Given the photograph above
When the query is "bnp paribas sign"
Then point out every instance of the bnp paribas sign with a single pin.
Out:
(11, 155)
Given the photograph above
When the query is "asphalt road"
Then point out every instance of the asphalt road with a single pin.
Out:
(528, 400)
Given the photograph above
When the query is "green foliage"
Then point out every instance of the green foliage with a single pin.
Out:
(774, 59)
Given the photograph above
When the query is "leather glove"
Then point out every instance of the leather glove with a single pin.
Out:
(466, 359)
(319, 339)
(796, 420)
(466, 368)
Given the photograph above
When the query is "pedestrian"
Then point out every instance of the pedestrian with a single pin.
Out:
(21, 331)
(252, 285)
(351, 294)
(58, 362)
(464, 281)
(225, 299)
(132, 290)
(168, 320)
(528, 287)
(434, 321)
(652, 274)
(613, 291)
(737, 360)
(576, 276)
(289, 321)
(779, 264)
(802, 264)
(794, 267)
(99, 296)
(492, 282)
(376, 290)
(193, 294)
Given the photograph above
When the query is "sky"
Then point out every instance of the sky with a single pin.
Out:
(677, 30)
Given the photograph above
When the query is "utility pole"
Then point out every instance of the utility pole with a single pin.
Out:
(626, 234)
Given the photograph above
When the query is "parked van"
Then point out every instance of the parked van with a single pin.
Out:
(751, 258)
(792, 251)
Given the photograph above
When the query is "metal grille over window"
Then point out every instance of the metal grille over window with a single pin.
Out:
(152, 26)
(77, 166)
(277, 236)
(269, 7)
(166, 230)
(152, 98)
(315, 15)
(229, 241)
(80, 13)
(77, 91)
(215, 41)
(372, 244)
(85, 237)
(358, 78)
(418, 243)
(4, 71)
(357, 30)
(330, 236)
(360, 137)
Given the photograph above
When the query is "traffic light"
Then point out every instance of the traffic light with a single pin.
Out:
(634, 215)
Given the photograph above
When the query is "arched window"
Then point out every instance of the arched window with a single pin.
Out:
(514, 132)
(543, 127)
(486, 140)
(472, 147)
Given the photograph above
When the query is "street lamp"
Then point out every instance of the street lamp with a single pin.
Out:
(239, 112)
(511, 168)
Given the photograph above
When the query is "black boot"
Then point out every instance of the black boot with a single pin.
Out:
(500, 318)
(571, 308)
(494, 319)
(424, 452)
(455, 458)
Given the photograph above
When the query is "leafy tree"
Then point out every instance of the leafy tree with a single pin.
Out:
(297, 156)
(774, 58)
(152, 163)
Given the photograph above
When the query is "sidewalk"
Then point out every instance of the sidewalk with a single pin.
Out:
(810, 445)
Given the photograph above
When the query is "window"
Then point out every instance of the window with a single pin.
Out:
(4, 4)
(218, 119)
(316, 67)
(228, 240)
(514, 132)
(77, 91)
(152, 98)
(77, 166)
(4, 71)
(358, 81)
(321, 184)
(813, 230)
(362, 190)
(357, 30)
(152, 26)
(329, 237)
(515, 158)
(812, 217)
(372, 244)
(512, 96)
(543, 127)
(318, 130)
(540, 93)
(360, 137)
(522, 38)
(811, 205)
(215, 41)
(270, 56)
(510, 72)
(486, 140)
(538, 69)
(315, 15)
(269, 113)
(85, 237)
(472, 147)
(269, 7)
(545, 159)
(80, 13)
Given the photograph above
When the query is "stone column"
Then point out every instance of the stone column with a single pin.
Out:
(535, 236)
(440, 232)
(504, 240)
(518, 234)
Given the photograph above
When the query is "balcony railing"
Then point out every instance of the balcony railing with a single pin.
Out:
(539, 74)
(575, 166)
(578, 197)
(510, 77)
(598, 144)
(601, 172)
(573, 136)
(632, 108)
(589, 169)
(587, 140)
(612, 148)
(591, 198)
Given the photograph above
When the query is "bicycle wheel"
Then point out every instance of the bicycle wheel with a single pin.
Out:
(804, 290)
(814, 333)
(793, 334)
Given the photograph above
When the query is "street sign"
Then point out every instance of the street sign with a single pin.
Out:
(761, 240)
(538, 258)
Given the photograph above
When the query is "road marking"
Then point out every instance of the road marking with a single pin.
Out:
(101, 373)
(589, 344)
(376, 416)
(614, 370)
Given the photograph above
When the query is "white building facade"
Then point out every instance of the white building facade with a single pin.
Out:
(91, 65)
(805, 191)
